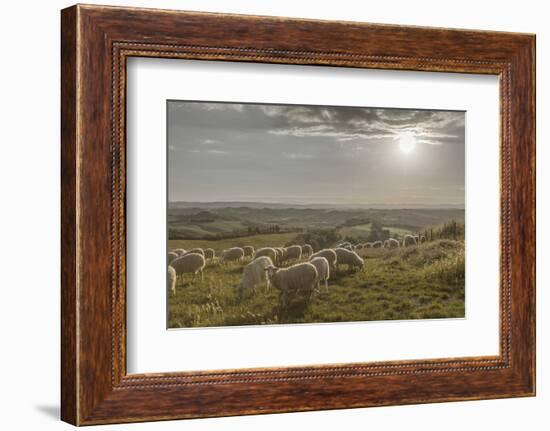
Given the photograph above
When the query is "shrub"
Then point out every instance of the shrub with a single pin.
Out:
(450, 269)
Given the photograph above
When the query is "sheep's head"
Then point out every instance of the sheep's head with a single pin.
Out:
(270, 270)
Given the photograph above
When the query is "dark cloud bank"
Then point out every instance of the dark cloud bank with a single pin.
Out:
(314, 154)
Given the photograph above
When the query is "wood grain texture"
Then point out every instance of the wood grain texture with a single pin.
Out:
(69, 366)
(96, 41)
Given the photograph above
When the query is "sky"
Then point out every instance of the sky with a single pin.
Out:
(302, 154)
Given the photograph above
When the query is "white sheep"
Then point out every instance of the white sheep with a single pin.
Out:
(179, 251)
(346, 245)
(254, 273)
(171, 280)
(329, 254)
(233, 254)
(281, 254)
(307, 250)
(171, 256)
(192, 263)
(195, 250)
(209, 253)
(301, 277)
(409, 240)
(393, 243)
(267, 251)
(349, 258)
(386, 243)
(323, 270)
(377, 244)
(248, 251)
(293, 252)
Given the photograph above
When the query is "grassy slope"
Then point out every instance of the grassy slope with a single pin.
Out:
(363, 230)
(257, 241)
(209, 229)
(412, 283)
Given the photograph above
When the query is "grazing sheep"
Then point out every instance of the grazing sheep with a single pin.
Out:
(386, 243)
(248, 251)
(347, 246)
(393, 243)
(293, 252)
(344, 244)
(368, 245)
(299, 277)
(329, 254)
(209, 253)
(179, 251)
(233, 254)
(323, 271)
(267, 251)
(172, 276)
(192, 263)
(195, 250)
(377, 244)
(281, 254)
(409, 240)
(171, 256)
(254, 273)
(349, 258)
(307, 250)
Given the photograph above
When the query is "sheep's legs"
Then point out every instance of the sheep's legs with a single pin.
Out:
(240, 293)
(314, 290)
(283, 299)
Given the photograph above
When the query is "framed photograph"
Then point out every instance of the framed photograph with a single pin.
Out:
(267, 215)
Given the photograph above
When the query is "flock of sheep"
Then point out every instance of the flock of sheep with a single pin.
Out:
(392, 242)
(305, 273)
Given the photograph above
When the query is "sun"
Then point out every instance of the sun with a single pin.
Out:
(407, 142)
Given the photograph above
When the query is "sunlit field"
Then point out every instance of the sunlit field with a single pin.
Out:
(416, 282)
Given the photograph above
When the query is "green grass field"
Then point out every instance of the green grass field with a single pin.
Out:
(363, 231)
(408, 283)
(257, 241)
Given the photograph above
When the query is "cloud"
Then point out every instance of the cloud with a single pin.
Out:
(273, 149)
(213, 106)
(298, 156)
(210, 142)
(367, 124)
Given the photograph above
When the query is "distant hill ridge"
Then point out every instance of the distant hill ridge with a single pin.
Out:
(283, 205)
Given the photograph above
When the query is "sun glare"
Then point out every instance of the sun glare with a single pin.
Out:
(407, 143)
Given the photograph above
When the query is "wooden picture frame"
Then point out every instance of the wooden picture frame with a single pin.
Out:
(95, 43)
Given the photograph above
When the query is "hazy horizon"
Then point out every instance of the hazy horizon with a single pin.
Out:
(315, 155)
(373, 205)
(315, 205)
